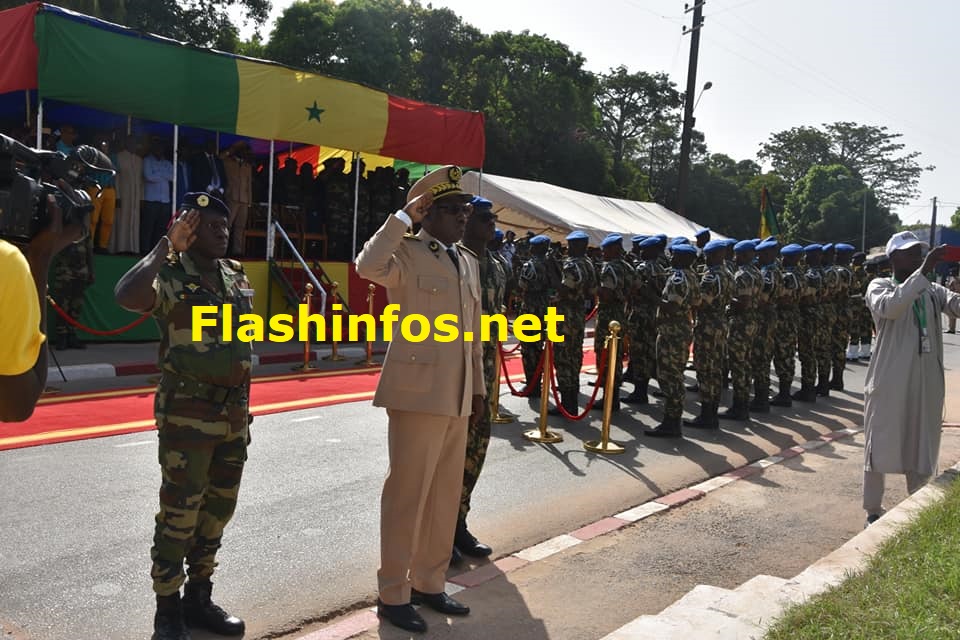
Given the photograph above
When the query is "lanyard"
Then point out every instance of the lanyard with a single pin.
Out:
(920, 313)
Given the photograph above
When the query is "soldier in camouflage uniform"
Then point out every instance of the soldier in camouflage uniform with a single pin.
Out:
(785, 336)
(710, 334)
(72, 273)
(478, 238)
(579, 285)
(537, 288)
(828, 319)
(743, 329)
(642, 303)
(841, 332)
(616, 281)
(861, 322)
(681, 297)
(771, 281)
(808, 325)
(201, 409)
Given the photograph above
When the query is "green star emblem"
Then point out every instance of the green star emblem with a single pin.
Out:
(314, 112)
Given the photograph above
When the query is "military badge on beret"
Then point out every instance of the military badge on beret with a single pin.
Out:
(203, 200)
(455, 174)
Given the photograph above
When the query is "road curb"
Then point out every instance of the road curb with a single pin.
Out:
(366, 619)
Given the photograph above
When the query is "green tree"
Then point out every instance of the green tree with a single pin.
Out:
(872, 154)
(634, 109)
(955, 219)
(827, 205)
(304, 36)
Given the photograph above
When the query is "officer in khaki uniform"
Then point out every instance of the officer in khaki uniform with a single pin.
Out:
(201, 409)
(430, 390)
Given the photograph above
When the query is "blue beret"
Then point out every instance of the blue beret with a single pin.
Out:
(652, 241)
(827, 247)
(577, 235)
(205, 201)
(498, 234)
(791, 250)
(767, 244)
(714, 245)
(745, 245)
(680, 240)
(539, 240)
(756, 241)
(684, 248)
(810, 248)
(701, 232)
(662, 237)
(638, 238)
(479, 202)
(843, 247)
(730, 242)
(613, 238)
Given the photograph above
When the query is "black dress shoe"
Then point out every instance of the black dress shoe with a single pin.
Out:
(439, 602)
(466, 543)
(403, 616)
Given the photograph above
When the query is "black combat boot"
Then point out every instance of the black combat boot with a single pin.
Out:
(669, 428)
(740, 410)
(783, 398)
(807, 393)
(823, 386)
(570, 399)
(615, 403)
(837, 382)
(467, 544)
(761, 399)
(200, 611)
(639, 393)
(62, 343)
(168, 622)
(707, 419)
(74, 342)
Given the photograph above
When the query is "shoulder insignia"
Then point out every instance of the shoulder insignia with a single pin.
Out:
(410, 236)
(235, 265)
(192, 287)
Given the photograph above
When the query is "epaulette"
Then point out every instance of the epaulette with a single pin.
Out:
(410, 236)
(234, 264)
(464, 247)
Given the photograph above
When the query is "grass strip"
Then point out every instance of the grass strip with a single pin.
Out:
(910, 588)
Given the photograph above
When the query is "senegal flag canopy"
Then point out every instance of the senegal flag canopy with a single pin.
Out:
(81, 60)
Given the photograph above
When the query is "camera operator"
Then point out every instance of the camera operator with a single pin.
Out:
(23, 286)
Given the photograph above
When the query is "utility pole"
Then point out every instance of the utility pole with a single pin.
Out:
(933, 224)
(863, 238)
(688, 102)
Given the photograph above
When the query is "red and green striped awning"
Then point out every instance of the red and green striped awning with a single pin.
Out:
(89, 62)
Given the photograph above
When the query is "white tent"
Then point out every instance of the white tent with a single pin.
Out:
(524, 205)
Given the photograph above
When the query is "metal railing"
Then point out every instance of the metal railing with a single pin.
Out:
(318, 289)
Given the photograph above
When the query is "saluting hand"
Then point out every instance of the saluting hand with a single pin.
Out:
(933, 258)
(417, 208)
(183, 231)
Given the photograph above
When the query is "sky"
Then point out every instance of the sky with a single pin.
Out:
(774, 64)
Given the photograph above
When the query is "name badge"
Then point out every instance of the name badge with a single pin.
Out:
(246, 292)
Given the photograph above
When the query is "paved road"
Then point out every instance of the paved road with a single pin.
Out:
(77, 524)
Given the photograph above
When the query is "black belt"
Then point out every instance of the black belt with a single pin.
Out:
(203, 390)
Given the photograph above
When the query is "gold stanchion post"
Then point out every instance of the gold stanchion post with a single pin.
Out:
(307, 365)
(541, 434)
(604, 445)
(368, 360)
(334, 356)
(494, 392)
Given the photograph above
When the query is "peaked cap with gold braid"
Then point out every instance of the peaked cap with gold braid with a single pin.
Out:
(442, 183)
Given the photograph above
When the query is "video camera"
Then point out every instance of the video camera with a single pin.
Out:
(23, 190)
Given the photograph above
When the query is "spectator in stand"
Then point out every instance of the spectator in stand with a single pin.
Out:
(129, 185)
(104, 203)
(155, 212)
(239, 172)
(207, 174)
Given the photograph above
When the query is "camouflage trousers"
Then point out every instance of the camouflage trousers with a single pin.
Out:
(673, 349)
(478, 437)
(840, 338)
(825, 340)
(69, 295)
(568, 357)
(530, 354)
(743, 332)
(203, 447)
(808, 339)
(785, 345)
(600, 336)
(861, 323)
(709, 344)
(762, 352)
(643, 345)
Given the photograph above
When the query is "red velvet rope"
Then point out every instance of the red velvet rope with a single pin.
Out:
(506, 374)
(593, 312)
(96, 332)
(593, 397)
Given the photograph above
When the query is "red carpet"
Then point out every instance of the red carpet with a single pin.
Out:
(92, 415)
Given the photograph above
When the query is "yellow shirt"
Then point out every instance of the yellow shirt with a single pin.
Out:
(20, 335)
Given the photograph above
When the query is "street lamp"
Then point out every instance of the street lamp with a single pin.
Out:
(705, 87)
